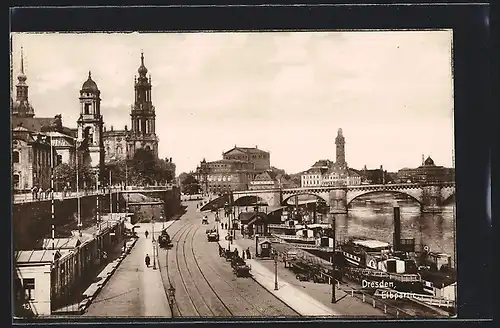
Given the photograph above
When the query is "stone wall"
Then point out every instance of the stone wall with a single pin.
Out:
(31, 222)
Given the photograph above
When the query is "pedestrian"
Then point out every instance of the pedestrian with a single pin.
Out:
(147, 260)
(33, 192)
(248, 253)
(124, 246)
(243, 255)
(236, 254)
(146, 233)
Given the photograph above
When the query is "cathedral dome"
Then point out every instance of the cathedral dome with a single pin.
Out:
(429, 162)
(90, 85)
(22, 77)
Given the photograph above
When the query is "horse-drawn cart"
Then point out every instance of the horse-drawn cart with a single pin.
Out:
(240, 268)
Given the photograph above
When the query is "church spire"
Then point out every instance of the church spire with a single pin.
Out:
(142, 69)
(22, 77)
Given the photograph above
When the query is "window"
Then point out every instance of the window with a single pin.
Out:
(15, 181)
(15, 157)
(29, 288)
(86, 109)
(58, 160)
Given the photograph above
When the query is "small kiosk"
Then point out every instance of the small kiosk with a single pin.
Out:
(265, 247)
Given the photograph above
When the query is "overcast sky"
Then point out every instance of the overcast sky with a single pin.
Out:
(288, 93)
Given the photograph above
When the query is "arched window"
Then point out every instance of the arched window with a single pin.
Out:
(15, 157)
(119, 150)
(15, 181)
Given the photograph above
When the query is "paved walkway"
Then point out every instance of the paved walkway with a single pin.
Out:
(293, 297)
(319, 293)
(134, 289)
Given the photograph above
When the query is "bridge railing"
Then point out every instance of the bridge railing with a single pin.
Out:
(58, 195)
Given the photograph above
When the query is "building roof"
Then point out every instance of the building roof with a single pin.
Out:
(322, 163)
(266, 176)
(429, 161)
(370, 243)
(248, 217)
(36, 256)
(246, 150)
(90, 85)
(61, 243)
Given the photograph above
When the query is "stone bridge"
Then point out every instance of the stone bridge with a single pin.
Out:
(430, 196)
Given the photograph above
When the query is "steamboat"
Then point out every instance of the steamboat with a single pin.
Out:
(375, 265)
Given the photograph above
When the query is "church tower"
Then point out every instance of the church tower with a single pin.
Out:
(340, 151)
(143, 114)
(90, 124)
(21, 107)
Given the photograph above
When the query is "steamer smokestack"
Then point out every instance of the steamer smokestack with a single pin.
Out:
(397, 230)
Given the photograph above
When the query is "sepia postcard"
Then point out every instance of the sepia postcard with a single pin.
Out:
(233, 174)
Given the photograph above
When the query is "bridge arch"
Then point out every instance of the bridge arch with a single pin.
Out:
(368, 192)
(288, 197)
(249, 200)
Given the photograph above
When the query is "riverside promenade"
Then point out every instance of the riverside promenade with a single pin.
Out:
(134, 289)
(307, 298)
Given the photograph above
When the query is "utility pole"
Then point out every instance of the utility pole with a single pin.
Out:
(334, 299)
(52, 209)
(110, 195)
(78, 190)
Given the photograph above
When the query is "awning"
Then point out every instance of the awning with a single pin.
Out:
(129, 226)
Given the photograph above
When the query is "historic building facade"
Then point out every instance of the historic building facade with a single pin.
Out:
(31, 164)
(427, 172)
(122, 144)
(90, 124)
(327, 173)
(260, 158)
(238, 167)
(31, 140)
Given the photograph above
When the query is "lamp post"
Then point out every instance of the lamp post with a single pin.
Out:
(171, 298)
(52, 209)
(154, 242)
(334, 299)
(275, 270)
(228, 231)
(98, 214)
(110, 195)
(77, 145)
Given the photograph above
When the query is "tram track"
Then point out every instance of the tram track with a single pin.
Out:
(243, 304)
(202, 290)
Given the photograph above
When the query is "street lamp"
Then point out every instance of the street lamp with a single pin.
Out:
(334, 299)
(52, 209)
(171, 298)
(275, 270)
(77, 145)
(154, 242)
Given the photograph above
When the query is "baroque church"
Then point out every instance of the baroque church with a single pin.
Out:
(122, 144)
(96, 145)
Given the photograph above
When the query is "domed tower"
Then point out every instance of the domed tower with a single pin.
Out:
(340, 151)
(143, 114)
(21, 107)
(90, 123)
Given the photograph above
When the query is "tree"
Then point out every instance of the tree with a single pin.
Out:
(189, 184)
(65, 173)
